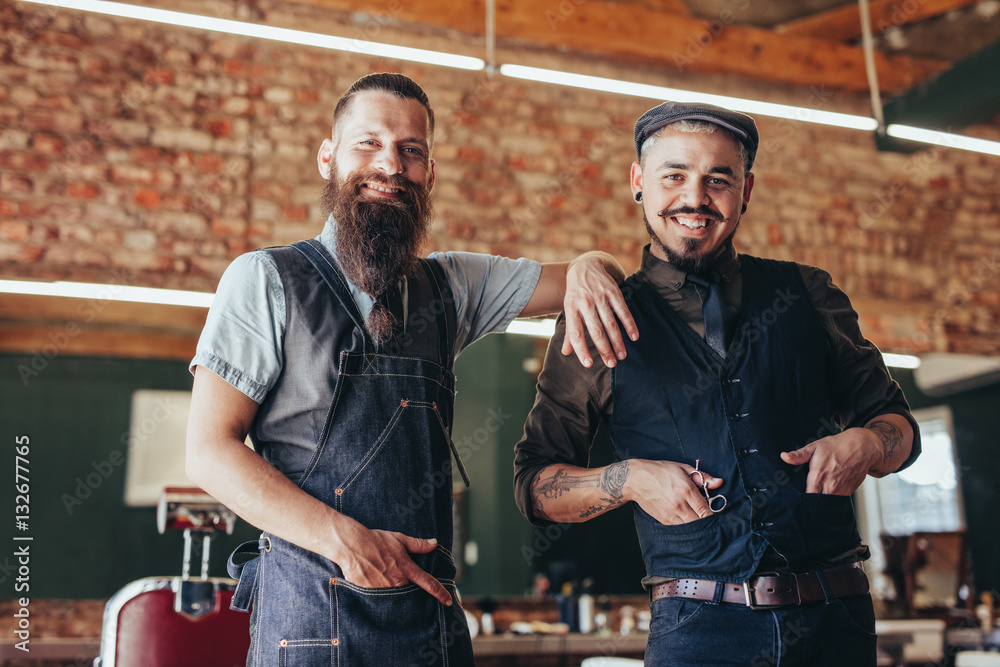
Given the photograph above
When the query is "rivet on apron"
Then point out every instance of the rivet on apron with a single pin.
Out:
(403, 402)
(335, 641)
(434, 405)
(333, 581)
(283, 642)
(339, 492)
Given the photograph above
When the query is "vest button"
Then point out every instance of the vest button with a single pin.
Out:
(743, 452)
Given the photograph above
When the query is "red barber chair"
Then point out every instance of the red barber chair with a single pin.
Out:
(178, 621)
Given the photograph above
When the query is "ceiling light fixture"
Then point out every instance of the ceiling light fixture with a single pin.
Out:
(945, 139)
(677, 95)
(542, 328)
(107, 292)
(900, 360)
(245, 29)
(600, 84)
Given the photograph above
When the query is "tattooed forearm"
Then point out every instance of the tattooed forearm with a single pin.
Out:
(890, 435)
(613, 479)
(608, 485)
(561, 481)
(599, 509)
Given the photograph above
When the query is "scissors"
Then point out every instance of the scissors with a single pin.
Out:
(698, 477)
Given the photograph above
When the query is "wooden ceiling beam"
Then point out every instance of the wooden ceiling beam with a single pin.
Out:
(48, 326)
(844, 23)
(637, 34)
(675, 7)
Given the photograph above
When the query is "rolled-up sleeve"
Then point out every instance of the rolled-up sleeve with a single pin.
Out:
(244, 332)
(861, 383)
(569, 405)
(490, 291)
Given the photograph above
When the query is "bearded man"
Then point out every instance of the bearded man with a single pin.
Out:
(335, 355)
(742, 421)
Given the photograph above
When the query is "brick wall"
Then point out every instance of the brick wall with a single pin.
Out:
(140, 153)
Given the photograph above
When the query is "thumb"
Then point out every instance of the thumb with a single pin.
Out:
(797, 457)
(713, 482)
(417, 545)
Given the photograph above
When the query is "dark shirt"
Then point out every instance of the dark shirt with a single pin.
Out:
(572, 399)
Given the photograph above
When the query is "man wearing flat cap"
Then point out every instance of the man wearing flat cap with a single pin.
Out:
(741, 421)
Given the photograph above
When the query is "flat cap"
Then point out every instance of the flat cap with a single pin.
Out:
(738, 123)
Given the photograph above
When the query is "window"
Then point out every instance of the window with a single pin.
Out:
(924, 498)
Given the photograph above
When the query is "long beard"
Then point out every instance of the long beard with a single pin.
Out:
(378, 240)
(691, 258)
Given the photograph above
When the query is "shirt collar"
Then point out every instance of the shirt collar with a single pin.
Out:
(660, 273)
(328, 237)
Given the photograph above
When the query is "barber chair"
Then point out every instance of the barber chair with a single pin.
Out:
(178, 621)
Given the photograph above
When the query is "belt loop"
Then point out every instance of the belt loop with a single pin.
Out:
(720, 589)
(823, 584)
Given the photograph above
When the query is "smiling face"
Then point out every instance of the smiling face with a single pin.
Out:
(378, 177)
(382, 136)
(693, 191)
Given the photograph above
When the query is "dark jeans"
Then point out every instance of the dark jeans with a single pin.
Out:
(838, 633)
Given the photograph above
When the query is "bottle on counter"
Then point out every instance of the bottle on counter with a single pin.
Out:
(487, 605)
(984, 612)
(567, 608)
(585, 607)
(602, 619)
(628, 620)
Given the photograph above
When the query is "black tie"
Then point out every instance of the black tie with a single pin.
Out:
(711, 309)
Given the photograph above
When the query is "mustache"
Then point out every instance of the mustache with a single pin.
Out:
(703, 210)
(394, 181)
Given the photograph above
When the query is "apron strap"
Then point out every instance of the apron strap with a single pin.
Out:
(246, 572)
(447, 334)
(332, 275)
(446, 324)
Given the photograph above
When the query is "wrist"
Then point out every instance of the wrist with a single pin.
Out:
(630, 485)
(338, 534)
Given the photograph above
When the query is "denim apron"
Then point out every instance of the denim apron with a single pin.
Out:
(383, 459)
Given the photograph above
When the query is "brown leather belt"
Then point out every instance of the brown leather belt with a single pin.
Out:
(772, 590)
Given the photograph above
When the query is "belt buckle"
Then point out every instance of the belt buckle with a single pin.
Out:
(751, 600)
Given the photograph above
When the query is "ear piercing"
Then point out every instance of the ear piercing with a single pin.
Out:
(638, 196)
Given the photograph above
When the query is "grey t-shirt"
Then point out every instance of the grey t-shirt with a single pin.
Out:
(243, 337)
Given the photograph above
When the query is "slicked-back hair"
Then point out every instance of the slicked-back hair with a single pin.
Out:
(387, 82)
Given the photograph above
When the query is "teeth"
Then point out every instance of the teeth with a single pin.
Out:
(390, 191)
(692, 224)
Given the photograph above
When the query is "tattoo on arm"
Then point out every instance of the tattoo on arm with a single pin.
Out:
(890, 435)
(537, 508)
(611, 481)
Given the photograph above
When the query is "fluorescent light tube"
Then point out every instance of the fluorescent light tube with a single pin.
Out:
(269, 32)
(101, 292)
(541, 328)
(945, 139)
(901, 360)
(674, 94)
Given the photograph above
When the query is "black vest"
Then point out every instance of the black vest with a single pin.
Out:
(675, 399)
